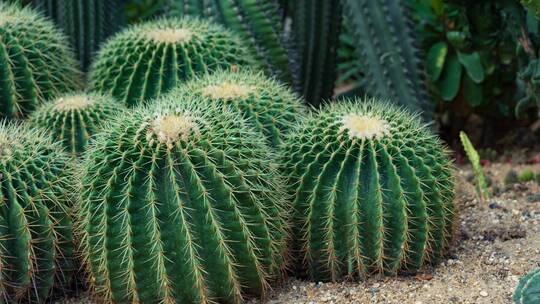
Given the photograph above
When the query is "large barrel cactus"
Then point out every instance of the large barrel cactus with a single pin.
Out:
(181, 205)
(73, 119)
(35, 63)
(267, 105)
(36, 246)
(528, 289)
(88, 23)
(148, 59)
(257, 22)
(373, 191)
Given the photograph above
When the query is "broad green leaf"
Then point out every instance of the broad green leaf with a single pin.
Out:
(473, 65)
(473, 92)
(533, 6)
(450, 80)
(457, 39)
(438, 7)
(435, 60)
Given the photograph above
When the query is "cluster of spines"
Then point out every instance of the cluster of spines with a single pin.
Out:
(73, 119)
(385, 43)
(257, 22)
(35, 62)
(88, 23)
(378, 202)
(315, 28)
(264, 102)
(149, 59)
(36, 242)
(181, 205)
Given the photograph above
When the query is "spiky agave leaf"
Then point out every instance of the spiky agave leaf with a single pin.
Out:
(528, 289)
(149, 59)
(74, 118)
(268, 105)
(373, 191)
(36, 246)
(182, 205)
(35, 63)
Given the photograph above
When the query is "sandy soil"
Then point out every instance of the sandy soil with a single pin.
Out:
(498, 242)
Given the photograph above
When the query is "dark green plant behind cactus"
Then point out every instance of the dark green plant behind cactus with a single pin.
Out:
(182, 205)
(73, 119)
(528, 289)
(373, 191)
(386, 47)
(268, 105)
(35, 64)
(149, 59)
(315, 28)
(257, 22)
(88, 23)
(36, 246)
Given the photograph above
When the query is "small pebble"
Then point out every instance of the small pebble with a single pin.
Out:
(483, 293)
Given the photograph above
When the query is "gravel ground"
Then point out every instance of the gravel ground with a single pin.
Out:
(498, 242)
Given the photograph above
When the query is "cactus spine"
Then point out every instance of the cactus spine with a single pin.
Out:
(373, 191)
(180, 205)
(390, 60)
(149, 59)
(35, 226)
(73, 119)
(315, 27)
(257, 22)
(88, 23)
(35, 64)
(528, 289)
(266, 104)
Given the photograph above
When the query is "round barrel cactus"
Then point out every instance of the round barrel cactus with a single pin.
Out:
(181, 205)
(373, 191)
(148, 59)
(35, 63)
(73, 119)
(528, 289)
(267, 105)
(36, 243)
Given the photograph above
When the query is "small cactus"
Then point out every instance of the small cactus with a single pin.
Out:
(528, 289)
(181, 205)
(373, 191)
(36, 246)
(35, 64)
(267, 105)
(74, 118)
(149, 59)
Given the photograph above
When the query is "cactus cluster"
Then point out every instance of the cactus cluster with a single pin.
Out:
(88, 23)
(181, 204)
(372, 191)
(257, 22)
(149, 59)
(73, 119)
(267, 105)
(36, 246)
(35, 64)
(528, 289)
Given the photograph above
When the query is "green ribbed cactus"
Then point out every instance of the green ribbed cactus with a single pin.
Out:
(373, 191)
(385, 44)
(528, 289)
(73, 119)
(315, 28)
(149, 59)
(267, 105)
(88, 23)
(257, 22)
(35, 64)
(182, 205)
(36, 246)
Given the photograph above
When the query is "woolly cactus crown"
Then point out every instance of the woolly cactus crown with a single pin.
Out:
(149, 59)
(373, 191)
(35, 63)
(181, 204)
